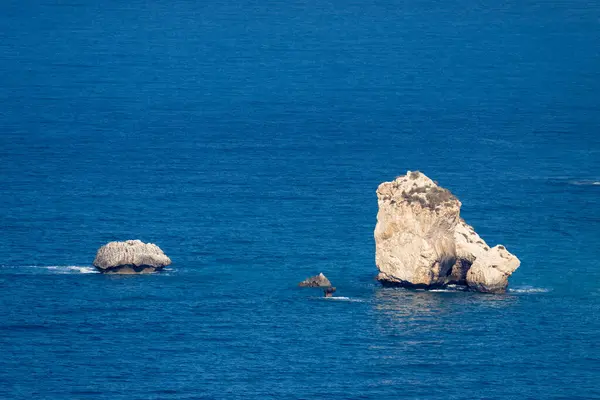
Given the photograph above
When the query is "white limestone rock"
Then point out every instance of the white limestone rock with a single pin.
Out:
(414, 236)
(421, 241)
(130, 257)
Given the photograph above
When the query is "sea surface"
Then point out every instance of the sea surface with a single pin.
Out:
(247, 138)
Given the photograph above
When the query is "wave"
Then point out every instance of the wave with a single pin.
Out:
(585, 183)
(73, 269)
(445, 289)
(528, 290)
(458, 289)
(572, 181)
(341, 298)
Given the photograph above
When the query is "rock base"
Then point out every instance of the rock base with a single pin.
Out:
(130, 257)
(130, 270)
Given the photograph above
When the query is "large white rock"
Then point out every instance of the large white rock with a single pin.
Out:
(130, 257)
(414, 236)
(421, 241)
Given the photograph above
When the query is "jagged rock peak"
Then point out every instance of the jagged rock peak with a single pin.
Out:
(415, 188)
(316, 281)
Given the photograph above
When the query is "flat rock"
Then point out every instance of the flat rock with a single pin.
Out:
(130, 257)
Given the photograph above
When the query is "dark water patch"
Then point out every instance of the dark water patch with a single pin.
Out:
(25, 327)
(88, 393)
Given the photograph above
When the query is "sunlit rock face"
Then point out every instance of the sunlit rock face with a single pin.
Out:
(489, 272)
(421, 241)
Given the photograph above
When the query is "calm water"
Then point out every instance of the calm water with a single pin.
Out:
(247, 139)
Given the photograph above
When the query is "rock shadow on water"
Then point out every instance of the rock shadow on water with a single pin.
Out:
(414, 305)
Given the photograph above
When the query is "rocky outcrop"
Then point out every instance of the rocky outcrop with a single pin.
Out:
(130, 257)
(421, 241)
(414, 235)
(490, 271)
(316, 281)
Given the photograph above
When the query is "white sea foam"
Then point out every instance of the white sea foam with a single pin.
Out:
(54, 269)
(48, 269)
(528, 290)
(585, 183)
(446, 289)
(84, 270)
(341, 298)
(72, 269)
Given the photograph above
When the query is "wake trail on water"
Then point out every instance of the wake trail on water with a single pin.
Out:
(341, 298)
(73, 269)
(573, 181)
(50, 269)
(524, 289)
(585, 183)
(528, 290)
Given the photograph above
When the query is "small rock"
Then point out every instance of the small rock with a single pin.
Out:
(316, 281)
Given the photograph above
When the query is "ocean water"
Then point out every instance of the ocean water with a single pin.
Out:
(247, 139)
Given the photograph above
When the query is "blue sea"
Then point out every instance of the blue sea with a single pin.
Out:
(247, 138)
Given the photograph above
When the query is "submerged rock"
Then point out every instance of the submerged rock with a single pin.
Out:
(421, 241)
(130, 257)
(315, 281)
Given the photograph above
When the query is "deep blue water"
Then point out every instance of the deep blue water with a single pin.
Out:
(247, 138)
